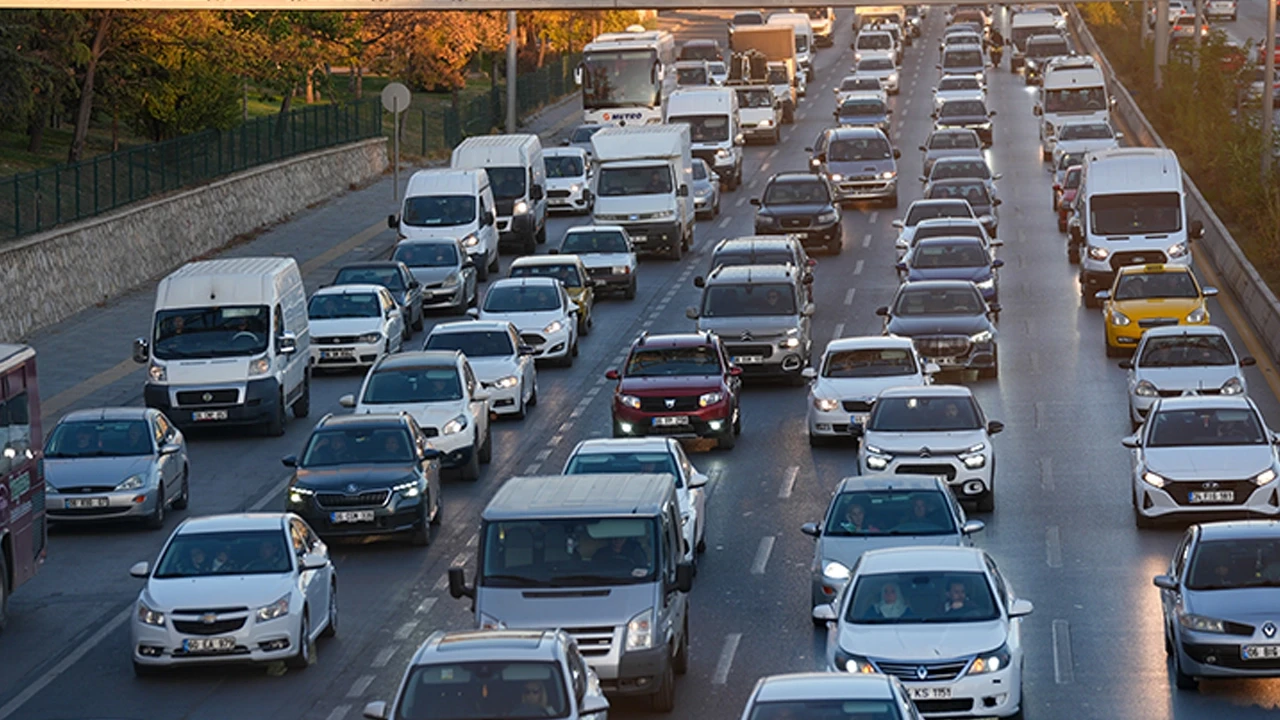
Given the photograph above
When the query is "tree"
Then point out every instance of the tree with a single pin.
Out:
(102, 27)
(285, 48)
(36, 64)
(428, 49)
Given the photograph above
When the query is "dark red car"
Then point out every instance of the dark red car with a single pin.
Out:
(1065, 195)
(679, 385)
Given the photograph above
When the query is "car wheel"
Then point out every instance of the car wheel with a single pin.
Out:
(184, 496)
(482, 272)
(420, 536)
(331, 627)
(681, 661)
(1073, 254)
(1182, 680)
(630, 292)
(302, 406)
(155, 521)
(817, 440)
(471, 471)
(574, 352)
(542, 235)
(987, 501)
(715, 209)
(275, 426)
(1113, 351)
(306, 654)
(663, 699)
(727, 439)
(892, 202)
(486, 450)
(533, 396)
(520, 406)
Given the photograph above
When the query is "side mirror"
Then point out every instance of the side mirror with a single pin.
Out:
(378, 710)
(1165, 582)
(997, 176)
(1209, 291)
(825, 613)
(993, 113)
(1247, 361)
(141, 350)
(1125, 364)
(973, 526)
(414, 284)
(682, 191)
(1021, 608)
(699, 281)
(489, 218)
(289, 461)
(883, 311)
(897, 154)
(697, 480)
(458, 584)
(140, 570)
(287, 343)
(593, 706)
(932, 368)
(1197, 230)
(536, 193)
(809, 373)
(923, 148)
(691, 313)
(170, 449)
(811, 529)
(739, 139)
(995, 427)
(1130, 442)
(473, 313)
(835, 114)
(996, 202)
(1103, 295)
(480, 396)
(393, 222)
(902, 267)
(898, 224)
(553, 251)
(347, 401)
(735, 371)
(997, 263)
(994, 308)
(612, 374)
(684, 577)
(1119, 136)
(755, 202)
(313, 561)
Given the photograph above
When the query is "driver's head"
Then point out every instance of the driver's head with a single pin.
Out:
(855, 513)
(533, 693)
(951, 410)
(774, 297)
(919, 507)
(956, 592)
(84, 438)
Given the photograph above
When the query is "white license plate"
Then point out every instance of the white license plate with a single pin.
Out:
(1260, 652)
(860, 419)
(209, 645)
(748, 359)
(945, 361)
(1212, 496)
(351, 516)
(671, 420)
(200, 415)
(639, 239)
(81, 503)
(337, 354)
(929, 693)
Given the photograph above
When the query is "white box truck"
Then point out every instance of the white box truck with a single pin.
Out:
(712, 117)
(642, 183)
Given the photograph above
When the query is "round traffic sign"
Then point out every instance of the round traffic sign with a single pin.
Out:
(395, 97)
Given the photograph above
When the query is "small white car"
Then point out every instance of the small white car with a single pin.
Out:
(718, 71)
(1082, 136)
(1183, 359)
(441, 391)
(503, 365)
(880, 66)
(543, 312)
(932, 430)
(607, 252)
(353, 326)
(569, 172)
(875, 43)
(1221, 9)
(849, 376)
(253, 587)
(952, 87)
(943, 620)
(826, 695)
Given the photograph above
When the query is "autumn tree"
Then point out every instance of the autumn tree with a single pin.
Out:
(431, 50)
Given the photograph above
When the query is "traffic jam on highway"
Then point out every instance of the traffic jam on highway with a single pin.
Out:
(886, 332)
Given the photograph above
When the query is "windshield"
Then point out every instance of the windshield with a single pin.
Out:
(777, 76)
(908, 598)
(962, 39)
(975, 193)
(483, 690)
(357, 446)
(583, 133)
(718, 68)
(1135, 214)
(856, 84)
(949, 255)
(924, 414)
(439, 210)
(794, 193)
(620, 182)
(748, 18)
(691, 75)
(1078, 100)
(210, 332)
(243, 552)
(959, 82)
(860, 107)
(954, 140)
(699, 169)
(752, 256)
(427, 254)
(344, 305)
(566, 273)
(1020, 35)
(400, 386)
(569, 553)
(592, 241)
(699, 51)
(889, 512)
(521, 298)
(630, 463)
(1085, 131)
(757, 98)
(962, 58)
(915, 302)
(1040, 49)
(387, 277)
(969, 229)
(1072, 181)
(826, 710)
(563, 166)
(507, 183)
(1186, 351)
(725, 300)
(1205, 426)
(962, 108)
(99, 438)
(474, 343)
(668, 362)
(620, 78)
(870, 362)
(704, 128)
(960, 168)
(930, 211)
(1135, 286)
(875, 64)
(1240, 562)
(875, 41)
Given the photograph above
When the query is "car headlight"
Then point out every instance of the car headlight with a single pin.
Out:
(147, 616)
(829, 216)
(575, 187)
(825, 404)
(521, 207)
(853, 664)
(988, 284)
(407, 489)
(1098, 253)
(454, 426)
(709, 399)
(789, 343)
(1264, 477)
(888, 174)
(1200, 623)
(991, 662)
(555, 327)
(1145, 388)
(630, 401)
(158, 373)
(1119, 319)
(702, 192)
(833, 570)
(974, 457)
(762, 219)
(723, 153)
(451, 281)
(1176, 250)
(259, 366)
(509, 381)
(372, 338)
(279, 608)
(1199, 315)
(982, 337)
(298, 495)
(664, 215)
(835, 177)
(893, 78)
(1153, 479)
(640, 631)
(877, 459)
(470, 241)
(1234, 386)
(620, 270)
(133, 482)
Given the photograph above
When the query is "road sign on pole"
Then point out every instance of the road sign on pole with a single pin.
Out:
(395, 98)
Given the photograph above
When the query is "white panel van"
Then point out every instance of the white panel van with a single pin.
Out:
(518, 179)
(456, 204)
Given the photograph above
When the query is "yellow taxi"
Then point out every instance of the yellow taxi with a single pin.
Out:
(571, 272)
(1147, 296)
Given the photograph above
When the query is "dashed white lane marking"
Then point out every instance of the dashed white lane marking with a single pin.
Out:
(789, 482)
(542, 454)
(443, 582)
(725, 663)
(838, 332)
(460, 559)
(1063, 666)
(740, 201)
(425, 606)
(772, 154)
(262, 501)
(555, 440)
(1053, 546)
(1039, 410)
(764, 166)
(474, 540)
(848, 297)
(338, 713)
(907, 101)
(384, 657)
(532, 468)
(724, 222)
(594, 391)
(762, 555)
(1046, 474)
(566, 426)
(866, 240)
(713, 480)
(857, 267)
(358, 687)
(874, 214)
(406, 630)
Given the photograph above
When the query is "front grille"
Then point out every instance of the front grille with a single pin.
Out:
(933, 671)
(532, 339)
(553, 194)
(1201, 391)
(1181, 491)
(660, 404)
(336, 340)
(795, 222)
(943, 346)
(217, 627)
(503, 208)
(206, 611)
(959, 705)
(376, 498)
(228, 396)
(945, 470)
(593, 641)
(854, 406)
(736, 350)
(1136, 257)
(1157, 322)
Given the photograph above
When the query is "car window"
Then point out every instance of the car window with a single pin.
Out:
(852, 149)
(927, 231)
(669, 362)
(859, 709)
(868, 362)
(101, 438)
(566, 273)
(569, 552)
(795, 193)
(916, 597)
(953, 141)
(865, 513)
(1205, 426)
(483, 690)
(357, 446)
(959, 108)
(949, 254)
(427, 254)
(388, 277)
(474, 343)
(929, 211)
(334, 306)
(241, 552)
(412, 385)
(1186, 351)
(923, 413)
(619, 462)
(1134, 286)
(594, 241)
(1234, 563)
(954, 300)
(521, 298)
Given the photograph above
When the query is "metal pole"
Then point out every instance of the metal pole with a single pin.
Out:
(1200, 22)
(1146, 13)
(395, 169)
(512, 28)
(1162, 39)
(1269, 93)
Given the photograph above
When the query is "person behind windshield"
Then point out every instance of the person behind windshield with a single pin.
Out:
(392, 448)
(655, 184)
(177, 325)
(958, 602)
(921, 513)
(268, 558)
(85, 441)
(621, 551)
(774, 299)
(534, 701)
(139, 444)
(891, 605)
(330, 449)
(855, 520)
(195, 563)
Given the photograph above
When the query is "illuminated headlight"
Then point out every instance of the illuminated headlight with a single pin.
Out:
(833, 570)
(407, 489)
(828, 217)
(555, 327)
(1098, 253)
(711, 398)
(520, 208)
(1153, 479)
(1200, 623)
(789, 343)
(470, 241)
(724, 154)
(877, 459)
(893, 78)
(835, 177)
(620, 270)
(825, 404)
(1176, 250)
(982, 337)
(298, 495)
(854, 664)
(259, 366)
(888, 175)
(1145, 388)
(973, 458)
(158, 373)
(372, 338)
(1199, 315)
(133, 482)
(1119, 319)
(454, 426)
(509, 381)
(1232, 387)
(1264, 477)
(279, 608)
(451, 281)
(991, 662)
(766, 123)
(575, 188)
(147, 616)
(630, 401)
(664, 215)
(857, 56)
(988, 284)
(640, 631)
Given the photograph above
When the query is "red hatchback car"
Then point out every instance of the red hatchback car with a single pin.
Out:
(679, 385)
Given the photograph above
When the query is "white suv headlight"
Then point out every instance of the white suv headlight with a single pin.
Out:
(520, 208)
(372, 338)
(470, 241)
(1176, 250)
(553, 328)
(877, 459)
(454, 426)
(259, 366)
(1098, 253)
(833, 570)
(1232, 387)
(279, 608)
(158, 373)
(147, 616)
(1145, 388)
(974, 457)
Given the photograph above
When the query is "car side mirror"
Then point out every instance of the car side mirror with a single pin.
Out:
(697, 480)
(1125, 364)
(996, 202)
(1165, 582)
(835, 114)
(1209, 291)
(699, 281)
(313, 561)
(807, 310)
(1037, 111)
(553, 251)
(898, 224)
(378, 710)
(735, 371)
(535, 192)
(973, 526)
(489, 218)
(1247, 361)
(809, 373)
(140, 570)
(901, 267)
(289, 461)
(883, 311)
(480, 396)
(473, 313)
(739, 139)
(414, 284)
(995, 427)
(593, 706)
(992, 113)
(682, 191)
(525, 350)
(897, 154)
(825, 613)
(287, 343)
(458, 584)
(141, 350)
(923, 148)
(691, 313)
(1103, 295)
(170, 449)
(811, 529)
(612, 374)
(1197, 230)
(1021, 608)
(684, 577)
(1130, 442)
(393, 222)
(347, 401)
(997, 263)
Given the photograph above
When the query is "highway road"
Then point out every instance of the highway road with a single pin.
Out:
(1062, 530)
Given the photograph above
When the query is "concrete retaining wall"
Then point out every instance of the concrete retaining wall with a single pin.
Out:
(50, 276)
(1256, 300)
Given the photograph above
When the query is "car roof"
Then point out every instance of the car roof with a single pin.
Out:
(756, 242)
(460, 646)
(458, 326)
(753, 273)
(632, 444)
(370, 264)
(927, 390)
(107, 413)
(524, 281)
(823, 686)
(953, 131)
(595, 228)
(698, 42)
(1184, 331)
(419, 359)
(921, 559)
(673, 340)
(795, 176)
(350, 289)
(232, 522)
(1205, 402)
(855, 483)
(869, 342)
(1239, 529)
(531, 497)
(361, 420)
(858, 132)
(950, 221)
(948, 240)
(546, 260)
(564, 151)
(1153, 269)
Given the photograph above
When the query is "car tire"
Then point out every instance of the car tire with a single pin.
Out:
(155, 521)
(306, 654)
(438, 516)
(420, 322)
(987, 501)
(1073, 254)
(663, 699)
(1113, 351)
(533, 396)
(275, 426)
(715, 209)
(574, 351)
(630, 292)
(837, 247)
(302, 406)
(727, 439)
(184, 496)
(542, 235)
(521, 409)
(331, 626)
(680, 663)
(676, 251)
(420, 536)
(482, 273)
(471, 471)
(817, 440)
(1181, 680)
(486, 449)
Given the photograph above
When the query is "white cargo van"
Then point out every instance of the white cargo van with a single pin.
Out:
(712, 117)
(449, 203)
(642, 183)
(1025, 25)
(517, 178)
(1132, 211)
(229, 344)
(1073, 88)
(804, 38)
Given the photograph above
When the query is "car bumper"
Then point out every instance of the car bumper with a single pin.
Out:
(548, 346)
(345, 356)
(810, 237)
(613, 280)
(516, 229)
(1205, 655)
(704, 203)
(634, 673)
(877, 189)
(255, 643)
(996, 694)
(965, 482)
(759, 132)
(573, 201)
(114, 505)
(504, 401)
(834, 423)
(1127, 336)
(703, 422)
(260, 401)
(438, 298)
(1153, 502)
(397, 515)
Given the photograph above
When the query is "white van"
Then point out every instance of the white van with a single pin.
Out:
(1025, 25)
(230, 344)
(714, 131)
(457, 204)
(642, 183)
(804, 38)
(1073, 88)
(1132, 211)
(518, 180)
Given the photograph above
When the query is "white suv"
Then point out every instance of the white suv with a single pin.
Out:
(501, 362)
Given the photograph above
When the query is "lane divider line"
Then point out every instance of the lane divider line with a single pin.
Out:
(384, 657)
(724, 222)
(857, 267)
(838, 332)
(406, 630)
(1053, 546)
(866, 240)
(1063, 666)
(425, 606)
(358, 687)
(532, 469)
(848, 297)
(338, 712)
(725, 663)
(1046, 474)
(875, 214)
(762, 554)
(789, 482)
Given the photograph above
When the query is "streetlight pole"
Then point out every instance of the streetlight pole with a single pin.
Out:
(1269, 93)
(1162, 40)
(512, 29)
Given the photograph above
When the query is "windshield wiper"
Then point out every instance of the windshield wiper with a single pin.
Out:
(520, 579)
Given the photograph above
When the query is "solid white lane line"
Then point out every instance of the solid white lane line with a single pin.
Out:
(425, 606)
(1053, 546)
(789, 482)
(384, 657)
(40, 683)
(874, 214)
(724, 222)
(406, 630)
(1063, 666)
(725, 663)
(762, 555)
(866, 240)
(262, 501)
(857, 267)
(358, 687)
(474, 540)
(338, 713)
(848, 297)
(1046, 474)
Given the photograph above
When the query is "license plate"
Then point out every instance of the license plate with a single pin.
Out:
(1212, 496)
(336, 354)
(351, 516)
(748, 359)
(639, 239)
(200, 415)
(945, 361)
(81, 503)
(671, 420)
(929, 693)
(209, 645)
(858, 419)
(1260, 652)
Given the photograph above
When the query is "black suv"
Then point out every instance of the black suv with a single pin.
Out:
(363, 475)
(800, 204)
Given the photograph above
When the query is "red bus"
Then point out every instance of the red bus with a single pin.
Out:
(23, 533)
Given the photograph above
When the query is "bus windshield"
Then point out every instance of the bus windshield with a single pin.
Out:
(620, 78)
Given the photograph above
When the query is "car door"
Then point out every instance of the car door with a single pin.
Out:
(697, 497)
(1170, 599)
(313, 584)
(168, 465)
(524, 364)
(430, 467)
(588, 288)
(479, 409)
(393, 320)
(413, 306)
(569, 311)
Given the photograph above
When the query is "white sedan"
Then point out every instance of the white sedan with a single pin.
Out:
(541, 309)
(951, 87)
(353, 325)
(235, 588)
(1178, 359)
(501, 363)
(849, 376)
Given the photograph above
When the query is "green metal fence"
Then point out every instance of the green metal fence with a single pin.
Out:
(38, 200)
(483, 113)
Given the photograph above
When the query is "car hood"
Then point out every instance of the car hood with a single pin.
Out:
(1201, 462)
(531, 321)
(761, 327)
(938, 325)
(1188, 378)
(430, 276)
(964, 70)
(854, 168)
(606, 259)
(637, 205)
(488, 369)
(938, 442)
(1158, 307)
(922, 642)
(754, 115)
(684, 385)
(847, 550)
(1079, 146)
(345, 326)
(68, 473)
(566, 607)
(866, 388)
(354, 478)
(208, 371)
(813, 209)
(862, 120)
(412, 232)
(427, 414)
(1253, 606)
(217, 591)
(974, 274)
